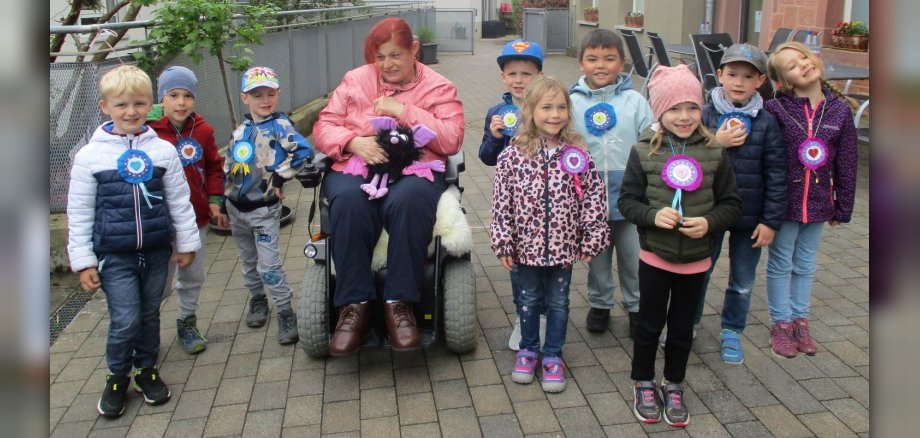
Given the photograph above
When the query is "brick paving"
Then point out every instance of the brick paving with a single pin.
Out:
(246, 384)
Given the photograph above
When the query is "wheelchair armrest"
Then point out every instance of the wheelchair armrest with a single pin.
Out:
(455, 165)
(312, 172)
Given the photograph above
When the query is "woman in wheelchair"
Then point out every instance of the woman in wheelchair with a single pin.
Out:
(392, 84)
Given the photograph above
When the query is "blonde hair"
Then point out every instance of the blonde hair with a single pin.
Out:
(125, 79)
(775, 72)
(658, 137)
(527, 139)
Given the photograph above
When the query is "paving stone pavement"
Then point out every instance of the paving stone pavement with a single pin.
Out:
(247, 384)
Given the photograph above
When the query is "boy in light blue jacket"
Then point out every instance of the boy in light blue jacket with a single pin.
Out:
(610, 116)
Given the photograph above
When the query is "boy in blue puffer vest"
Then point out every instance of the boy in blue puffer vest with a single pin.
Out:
(128, 197)
(755, 145)
(610, 115)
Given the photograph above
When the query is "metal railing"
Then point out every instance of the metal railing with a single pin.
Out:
(310, 57)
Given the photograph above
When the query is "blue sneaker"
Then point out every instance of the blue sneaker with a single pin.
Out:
(731, 348)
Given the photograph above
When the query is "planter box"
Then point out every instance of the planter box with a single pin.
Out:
(859, 43)
(634, 21)
(430, 53)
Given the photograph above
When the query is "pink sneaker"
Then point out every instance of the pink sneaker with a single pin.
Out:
(782, 340)
(524, 366)
(553, 374)
(803, 337)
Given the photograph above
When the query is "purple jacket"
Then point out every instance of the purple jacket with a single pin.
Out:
(829, 191)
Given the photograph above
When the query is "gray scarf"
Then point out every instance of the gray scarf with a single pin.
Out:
(724, 105)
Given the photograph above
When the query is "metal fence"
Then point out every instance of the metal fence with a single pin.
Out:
(310, 62)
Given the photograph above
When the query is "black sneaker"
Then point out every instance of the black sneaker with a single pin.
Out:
(112, 402)
(189, 336)
(258, 311)
(633, 324)
(287, 327)
(597, 320)
(675, 411)
(147, 381)
(645, 403)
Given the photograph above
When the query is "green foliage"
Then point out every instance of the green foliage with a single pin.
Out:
(190, 26)
(425, 34)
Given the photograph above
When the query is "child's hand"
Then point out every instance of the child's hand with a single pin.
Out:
(183, 259)
(388, 106)
(279, 193)
(214, 211)
(89, 279)
(586, 258)
(763, 236)
(731, 137)
(694, 227)
(497, 126)
(223, 221)
(507, 262)
(667, 218)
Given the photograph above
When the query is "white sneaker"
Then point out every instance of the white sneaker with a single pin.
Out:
(514, 342)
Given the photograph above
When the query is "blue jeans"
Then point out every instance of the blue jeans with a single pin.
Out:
(743, 260)
(791, 270)
(548, 284)
(133, 283)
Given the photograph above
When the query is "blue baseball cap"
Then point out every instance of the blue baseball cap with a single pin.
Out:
(520, 49)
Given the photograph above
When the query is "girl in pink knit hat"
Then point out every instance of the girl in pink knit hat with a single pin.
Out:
(679, 189)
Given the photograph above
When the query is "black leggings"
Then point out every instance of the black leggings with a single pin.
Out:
(655, 287)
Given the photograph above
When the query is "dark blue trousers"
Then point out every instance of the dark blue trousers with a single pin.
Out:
(407, 212)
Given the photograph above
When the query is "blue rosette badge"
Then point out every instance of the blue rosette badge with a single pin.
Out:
(243, 153)
(511, 117)
(190, 151)
(136, 167)
(600, 118)
(735, 119)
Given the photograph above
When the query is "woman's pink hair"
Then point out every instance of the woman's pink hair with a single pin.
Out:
(387, 29)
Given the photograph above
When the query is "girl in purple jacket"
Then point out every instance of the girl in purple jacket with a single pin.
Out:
(817, 124)
(549, 210)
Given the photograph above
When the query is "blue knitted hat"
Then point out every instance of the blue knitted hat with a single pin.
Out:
(176, 77)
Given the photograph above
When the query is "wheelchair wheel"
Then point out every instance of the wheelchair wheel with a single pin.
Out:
(313, 312)
(459, 306)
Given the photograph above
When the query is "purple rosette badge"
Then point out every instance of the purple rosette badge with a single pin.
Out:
(682, 172)
(574, 162)
(813, 153)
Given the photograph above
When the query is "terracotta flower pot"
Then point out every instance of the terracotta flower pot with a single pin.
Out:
(591, 16)
(635, 21)
(851, 42)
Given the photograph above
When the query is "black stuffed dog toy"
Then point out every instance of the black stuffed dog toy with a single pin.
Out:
(402, 146)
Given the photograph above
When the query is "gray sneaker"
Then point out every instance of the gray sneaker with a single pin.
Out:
(258, 311)
(287, 327)
(645, 403)
(189, 336)
(675, 411)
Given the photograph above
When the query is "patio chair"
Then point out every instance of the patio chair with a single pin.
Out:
(661, 52)
(781, 36)
(708, 49)
(638, 58)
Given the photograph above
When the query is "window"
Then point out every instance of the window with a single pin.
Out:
(856, 10)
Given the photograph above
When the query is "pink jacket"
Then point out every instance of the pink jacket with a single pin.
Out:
(537, 217)
(431, 100)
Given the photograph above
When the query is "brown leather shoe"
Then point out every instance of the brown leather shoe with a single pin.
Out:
(401, 325)
(351, 329)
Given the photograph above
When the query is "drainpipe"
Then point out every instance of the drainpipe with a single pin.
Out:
(708, 15)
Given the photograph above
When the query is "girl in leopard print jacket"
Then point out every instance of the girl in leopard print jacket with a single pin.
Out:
(549, 209)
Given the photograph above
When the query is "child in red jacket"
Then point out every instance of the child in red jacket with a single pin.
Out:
(194, 141)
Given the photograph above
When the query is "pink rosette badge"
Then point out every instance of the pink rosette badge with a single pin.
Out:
(681, 172)
(813, 153)
(574, 162)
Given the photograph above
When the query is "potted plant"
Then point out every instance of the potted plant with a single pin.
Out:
(429, 49)
(591, 13)
(635, 19)
(459, 31)
(851, 36)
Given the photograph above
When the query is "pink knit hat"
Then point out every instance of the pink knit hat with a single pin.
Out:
(670, 86)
